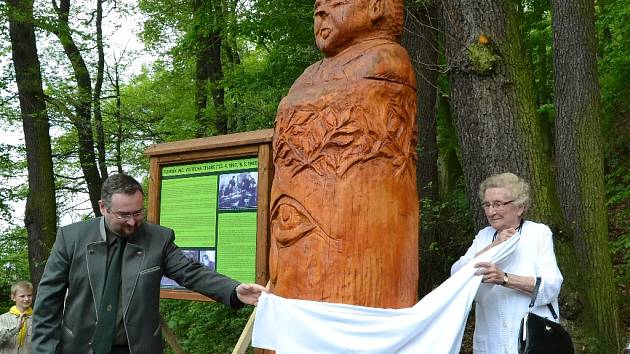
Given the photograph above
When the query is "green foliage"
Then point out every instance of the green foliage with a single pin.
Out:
(157, 107)
(618, 182)
(451, 219)
(204, 327)
(273, 41)
(8, 168)
(162, 17)
(13, 261)
(537, 39)
(614, 75)
(257, 85)
(614, 72)
(276, 45)
(618, 192)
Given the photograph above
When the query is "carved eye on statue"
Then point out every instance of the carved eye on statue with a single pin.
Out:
(290, 221)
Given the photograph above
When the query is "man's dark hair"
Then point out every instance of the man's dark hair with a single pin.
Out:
(119, 183)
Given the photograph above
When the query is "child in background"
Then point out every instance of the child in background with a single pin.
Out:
(15, 325)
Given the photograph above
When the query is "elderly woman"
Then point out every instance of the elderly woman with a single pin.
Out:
(506, 289)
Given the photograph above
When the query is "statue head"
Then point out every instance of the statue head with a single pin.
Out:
(339, 24)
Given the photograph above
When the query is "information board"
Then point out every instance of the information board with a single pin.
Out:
(212, 208)
(214, 193)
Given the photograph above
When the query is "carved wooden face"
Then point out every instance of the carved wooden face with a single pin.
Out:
(340, 24)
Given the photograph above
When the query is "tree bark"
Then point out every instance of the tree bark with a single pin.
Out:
(420, 38)
(230, 45)
(98, 85)
(209, 69)
(41, 207)
(580, 170)
(114, 81)
(492, 101)
(83, 120)
(450, 168)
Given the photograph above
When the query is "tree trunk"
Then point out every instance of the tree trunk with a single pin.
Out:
(98, 116)
(119, 124)
(118, 138)
(492, 101)
(209, 69)
(217, 88)
(420, 40)
(450, 168)
(580, 169)
(41, 206)
(229, 43)
(82, 122)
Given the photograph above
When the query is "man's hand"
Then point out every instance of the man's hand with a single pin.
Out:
(249, 293)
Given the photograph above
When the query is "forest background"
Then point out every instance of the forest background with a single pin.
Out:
(539, 88)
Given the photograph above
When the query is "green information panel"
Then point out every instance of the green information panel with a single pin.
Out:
(237, 245)
(189, 206)
(212, 207)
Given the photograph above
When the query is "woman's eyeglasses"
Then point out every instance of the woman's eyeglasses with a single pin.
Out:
(496, 204)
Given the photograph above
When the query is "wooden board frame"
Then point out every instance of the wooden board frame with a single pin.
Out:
(248, 144)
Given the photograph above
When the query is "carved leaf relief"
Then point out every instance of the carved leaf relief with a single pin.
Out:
(332, 139)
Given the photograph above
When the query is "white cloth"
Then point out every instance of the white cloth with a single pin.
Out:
(434, 325)
(498, 310)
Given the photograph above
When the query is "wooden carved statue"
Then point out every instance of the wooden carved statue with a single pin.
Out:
(344, 208)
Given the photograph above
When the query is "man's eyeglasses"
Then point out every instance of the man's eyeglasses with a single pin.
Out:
(126, 216)
(496, 204)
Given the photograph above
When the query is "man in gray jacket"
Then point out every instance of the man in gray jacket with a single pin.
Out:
(72, 297)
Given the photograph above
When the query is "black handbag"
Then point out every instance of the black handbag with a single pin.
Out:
(540, 335)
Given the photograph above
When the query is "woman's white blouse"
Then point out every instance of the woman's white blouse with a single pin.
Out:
(498, 310)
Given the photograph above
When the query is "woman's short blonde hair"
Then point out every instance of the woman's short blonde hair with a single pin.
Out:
(517, 188)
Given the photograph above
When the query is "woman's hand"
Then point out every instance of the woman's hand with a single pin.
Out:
(502, 236)
(491, 273)
(495, 275)
(505, 235)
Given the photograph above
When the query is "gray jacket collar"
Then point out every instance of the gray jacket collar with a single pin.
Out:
(101, 229)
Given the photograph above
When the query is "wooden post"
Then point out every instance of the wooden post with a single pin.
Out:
(170, 337)
(246, 336)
